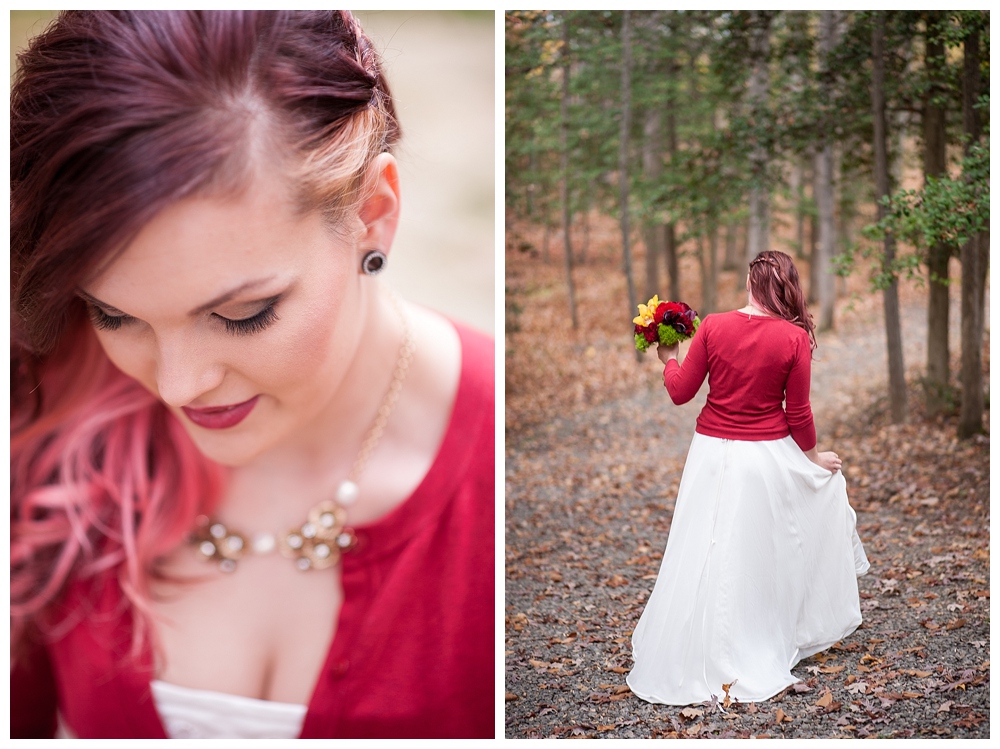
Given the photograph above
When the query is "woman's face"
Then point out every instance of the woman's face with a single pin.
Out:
(241, 314)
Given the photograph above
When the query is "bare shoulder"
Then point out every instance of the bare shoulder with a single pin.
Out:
(437, 358)
(434, 375)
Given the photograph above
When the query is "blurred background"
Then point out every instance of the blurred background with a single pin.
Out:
(440, 68)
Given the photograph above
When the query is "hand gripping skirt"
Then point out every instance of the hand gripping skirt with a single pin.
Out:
(760, 571)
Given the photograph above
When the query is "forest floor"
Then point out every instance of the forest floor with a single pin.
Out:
(594, 452)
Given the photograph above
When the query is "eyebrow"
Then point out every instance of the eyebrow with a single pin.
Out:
(221, 299)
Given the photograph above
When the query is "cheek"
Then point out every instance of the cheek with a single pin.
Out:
(131, 357)
(312, 354)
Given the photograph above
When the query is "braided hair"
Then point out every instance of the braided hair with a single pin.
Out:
(774, 286)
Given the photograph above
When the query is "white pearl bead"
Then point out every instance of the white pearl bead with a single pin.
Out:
(235, 543)
(309, 530)
(302, 563)
(207, 548)
(218, 530)
(263, 543)
(322, 551)
(347, 492)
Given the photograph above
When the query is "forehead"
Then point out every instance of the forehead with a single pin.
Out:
(196, 245)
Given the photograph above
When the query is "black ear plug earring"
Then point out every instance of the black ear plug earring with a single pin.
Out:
(373, 262)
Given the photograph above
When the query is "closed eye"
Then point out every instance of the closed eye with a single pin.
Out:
(253, 324)
(104, 321)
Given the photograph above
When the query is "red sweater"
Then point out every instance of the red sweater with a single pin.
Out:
(753, 363)
(413, 655)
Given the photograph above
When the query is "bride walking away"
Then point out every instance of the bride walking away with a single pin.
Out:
(762, 558)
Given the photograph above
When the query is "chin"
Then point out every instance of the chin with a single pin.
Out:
(228, 449)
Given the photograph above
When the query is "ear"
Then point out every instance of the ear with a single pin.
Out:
(380, 211)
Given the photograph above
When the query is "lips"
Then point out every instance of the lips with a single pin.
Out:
(220, 417)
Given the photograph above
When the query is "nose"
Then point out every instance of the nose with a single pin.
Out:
(186, 370)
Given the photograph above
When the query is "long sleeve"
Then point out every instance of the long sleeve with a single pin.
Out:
(798, 411)
(32, 696)
(684, 381)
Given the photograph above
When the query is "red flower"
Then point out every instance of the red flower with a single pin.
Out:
(658, 314)
(650, 334)
(673, 309)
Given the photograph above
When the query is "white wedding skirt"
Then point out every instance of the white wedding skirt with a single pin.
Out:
(760, 571)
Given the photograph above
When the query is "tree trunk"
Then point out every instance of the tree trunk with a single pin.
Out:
(709, 253)
(890, 295)
(812, 247)
(937, 255)
(732, 257)
(623, 165)
(826, 293)
(545, 238)
(670, 230)
(564, 157)
(652, 167)
(585, 247)
(760, 198)
(530, 189)
(822, 267)
(799, 196)
(970, 419)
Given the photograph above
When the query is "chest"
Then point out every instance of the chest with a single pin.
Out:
(261, 631)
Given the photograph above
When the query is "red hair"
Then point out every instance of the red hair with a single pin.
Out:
(774, 285)
(114, 116)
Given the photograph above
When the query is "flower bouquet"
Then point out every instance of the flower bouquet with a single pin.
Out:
(664, 322)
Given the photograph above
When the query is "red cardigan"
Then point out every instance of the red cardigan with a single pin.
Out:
(413, 655)
(753, 363)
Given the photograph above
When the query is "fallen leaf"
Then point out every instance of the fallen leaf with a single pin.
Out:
(725, 688)
(955, 624)
(918, 674)
(695, 729)
(510, 697)
(971, 720)
(831, 669)
(606, 728)
(538, 664)
(945, 707)
(780, 717)
(690, 713)
(912, 695)
(622, 689)
(825, 700)
(619, 669)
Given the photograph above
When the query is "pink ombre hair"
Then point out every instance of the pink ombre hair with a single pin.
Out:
(774, 285)
(115, 115)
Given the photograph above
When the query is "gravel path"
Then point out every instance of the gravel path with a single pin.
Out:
(589, 498)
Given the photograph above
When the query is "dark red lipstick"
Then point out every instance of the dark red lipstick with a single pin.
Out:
(220, 417)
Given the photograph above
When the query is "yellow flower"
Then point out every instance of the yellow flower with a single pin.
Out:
(645, 316)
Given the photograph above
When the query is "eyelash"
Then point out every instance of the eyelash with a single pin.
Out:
(254, 324)
(246, 326)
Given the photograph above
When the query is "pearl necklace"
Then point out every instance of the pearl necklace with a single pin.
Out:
(324, 537)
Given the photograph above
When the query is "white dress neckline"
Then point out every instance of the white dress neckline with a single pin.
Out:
(188, 713)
